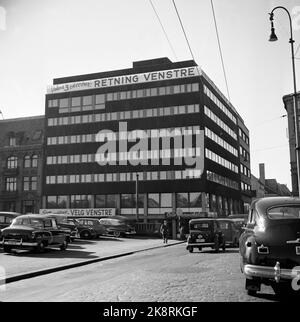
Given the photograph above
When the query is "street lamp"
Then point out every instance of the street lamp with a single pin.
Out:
(137, 197)
(273, 37)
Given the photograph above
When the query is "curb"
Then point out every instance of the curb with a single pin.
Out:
(46, 271)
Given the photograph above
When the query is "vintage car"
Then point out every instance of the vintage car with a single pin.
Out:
(6, 218)
(205, 232)
(94, 224)
(232, 229)
(83, 231)
(118, 226)
(33, 232)
(64, 224)
(270, 245)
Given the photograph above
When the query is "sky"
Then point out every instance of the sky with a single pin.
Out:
(45, 39)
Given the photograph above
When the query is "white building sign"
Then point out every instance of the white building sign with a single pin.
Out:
(87, 212)
(125, 80)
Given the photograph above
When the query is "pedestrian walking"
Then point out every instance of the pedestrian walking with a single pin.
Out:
(164, 231)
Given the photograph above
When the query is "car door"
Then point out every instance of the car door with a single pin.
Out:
(57, 234)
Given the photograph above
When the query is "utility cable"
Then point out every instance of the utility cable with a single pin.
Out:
(163, 28)
(220, 49)
(182, 27)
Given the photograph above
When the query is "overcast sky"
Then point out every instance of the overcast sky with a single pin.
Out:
(44, 39)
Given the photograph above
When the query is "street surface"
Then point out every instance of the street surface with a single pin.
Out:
(78, 251)
(164, 274)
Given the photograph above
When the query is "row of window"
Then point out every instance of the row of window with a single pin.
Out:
(223, 162)
(166, 154)
(213, 97)
(213, 136)
(245, 171)
(131, 135)
(29, 162)
(219, 122)
(244, 153)
(217, 178)
(245, 186)
(91, 102)
(243, 136)
(153, 200)
(123, 176)
(124, 115)
(29, 183)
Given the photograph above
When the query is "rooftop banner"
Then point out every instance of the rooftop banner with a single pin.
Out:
(125, 80)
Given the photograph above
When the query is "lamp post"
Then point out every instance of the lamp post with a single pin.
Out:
(273, 37)
(137, 197)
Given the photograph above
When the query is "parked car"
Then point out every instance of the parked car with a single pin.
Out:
(6, 219)
(94, 224)
(33, 232)
(64, 224)
(83, 231)
(205, 232)
(118, 226)
(232, 229)
(270, 244)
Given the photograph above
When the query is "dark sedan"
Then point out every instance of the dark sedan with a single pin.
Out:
(33, 232)
(270, 245)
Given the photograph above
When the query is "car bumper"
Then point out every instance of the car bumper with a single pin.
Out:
(18, 243)
(274, 273)
(130, 232)
(200, 244)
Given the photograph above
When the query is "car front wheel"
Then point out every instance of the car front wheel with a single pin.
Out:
(7, 249)
(85, 234)
(117, 234)
(41, 247)
(64, 245)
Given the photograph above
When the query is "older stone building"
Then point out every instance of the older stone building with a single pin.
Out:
(21, 153)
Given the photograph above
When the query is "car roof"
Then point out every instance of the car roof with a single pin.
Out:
(263, 204)
(54, 215)
(9, 213)
(192, 221)
(34, 216)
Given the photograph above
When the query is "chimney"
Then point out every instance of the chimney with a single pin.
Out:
(262, 173)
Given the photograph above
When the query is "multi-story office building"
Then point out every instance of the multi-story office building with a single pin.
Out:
(289, 106)
(165, 122)
(21, 152)
(244, 155)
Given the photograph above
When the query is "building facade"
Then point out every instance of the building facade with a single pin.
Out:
(21, 153)
(160, 128)
(289, 106)
(262, 187)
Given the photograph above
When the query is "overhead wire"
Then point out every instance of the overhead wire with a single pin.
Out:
(183, 29)
(163, 28)
(220, 49)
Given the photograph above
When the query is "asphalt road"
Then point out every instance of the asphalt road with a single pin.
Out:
(165, 274)
(78, 251)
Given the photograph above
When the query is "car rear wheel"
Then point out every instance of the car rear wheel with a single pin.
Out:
(191, 249)
(284, 290)
(85, 234)
(252, 286)
(200, 249)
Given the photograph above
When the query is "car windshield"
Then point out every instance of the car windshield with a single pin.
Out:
(38, 223)
(200, 225)
(284, 212)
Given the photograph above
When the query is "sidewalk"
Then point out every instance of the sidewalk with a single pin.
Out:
(80, 252)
